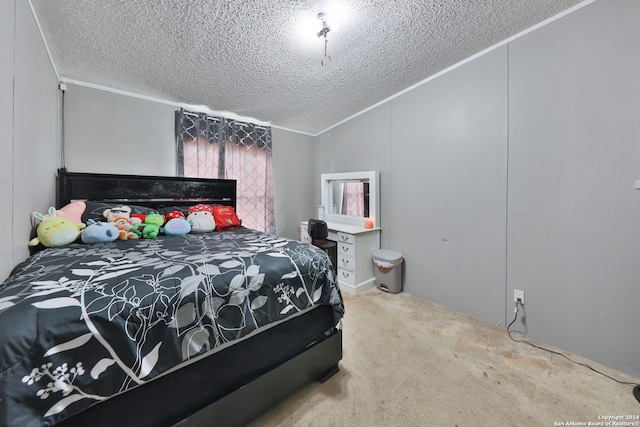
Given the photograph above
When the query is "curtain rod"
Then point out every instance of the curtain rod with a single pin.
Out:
(217, 119)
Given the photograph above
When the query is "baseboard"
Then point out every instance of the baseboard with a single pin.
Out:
(359, 288)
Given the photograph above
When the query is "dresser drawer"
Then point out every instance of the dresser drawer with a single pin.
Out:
(351, 257)
(346, 238)
(303, 235)
(346, 276)
(346, 249)
(346, 262)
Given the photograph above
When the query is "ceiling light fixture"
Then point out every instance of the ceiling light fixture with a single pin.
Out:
(322, 18)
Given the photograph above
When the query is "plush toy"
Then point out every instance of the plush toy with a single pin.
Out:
(73, 211)
(122, 212)
(226, 218)
(55, 231)
(125, 229)
(151, 226)
(117, 212)
(137, 219)
(201, 218)
(176, 227)
(173, 214)
(99, 232)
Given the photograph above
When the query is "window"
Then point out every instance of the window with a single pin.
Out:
(216, 147)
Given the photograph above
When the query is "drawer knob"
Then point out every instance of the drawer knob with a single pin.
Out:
(345, 249)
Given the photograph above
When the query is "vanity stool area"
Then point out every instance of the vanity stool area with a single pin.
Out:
(354, 269)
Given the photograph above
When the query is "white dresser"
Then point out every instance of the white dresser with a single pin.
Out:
(354, 267)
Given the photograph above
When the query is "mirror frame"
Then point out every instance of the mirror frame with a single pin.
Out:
(326, 180)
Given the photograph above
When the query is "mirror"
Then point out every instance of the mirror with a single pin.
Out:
(350, 197)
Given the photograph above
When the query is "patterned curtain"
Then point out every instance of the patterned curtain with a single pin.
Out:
(217, 147)
(353, 199)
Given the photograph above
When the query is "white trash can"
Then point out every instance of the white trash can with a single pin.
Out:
(388, 270)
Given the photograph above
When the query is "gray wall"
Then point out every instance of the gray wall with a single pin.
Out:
(361, 144)
(114, 133)
(7, 71)
(448, 179)
(574, 154)
(29, 101)
(293, 156)
(107, 132)
(516, 170)
(441, 152)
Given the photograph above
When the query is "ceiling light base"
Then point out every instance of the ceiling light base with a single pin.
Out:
(322, 17)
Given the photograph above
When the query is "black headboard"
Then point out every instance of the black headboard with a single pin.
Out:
(151, 191)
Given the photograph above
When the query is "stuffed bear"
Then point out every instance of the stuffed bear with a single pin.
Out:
(55, 231)
(125, 229)
(121, 212)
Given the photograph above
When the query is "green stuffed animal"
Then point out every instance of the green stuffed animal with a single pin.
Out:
(150, 228)
(55, 231)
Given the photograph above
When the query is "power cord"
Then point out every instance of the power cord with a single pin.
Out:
(636, 389)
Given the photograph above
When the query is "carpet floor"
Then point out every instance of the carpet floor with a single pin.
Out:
(409, 362)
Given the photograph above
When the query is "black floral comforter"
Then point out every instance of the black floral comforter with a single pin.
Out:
(81, 323)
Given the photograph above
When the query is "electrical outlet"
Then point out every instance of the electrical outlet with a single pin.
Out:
(517, 293)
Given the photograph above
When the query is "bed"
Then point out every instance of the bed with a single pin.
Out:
(191, 330)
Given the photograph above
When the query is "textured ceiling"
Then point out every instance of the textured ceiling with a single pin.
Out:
(259, 59)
